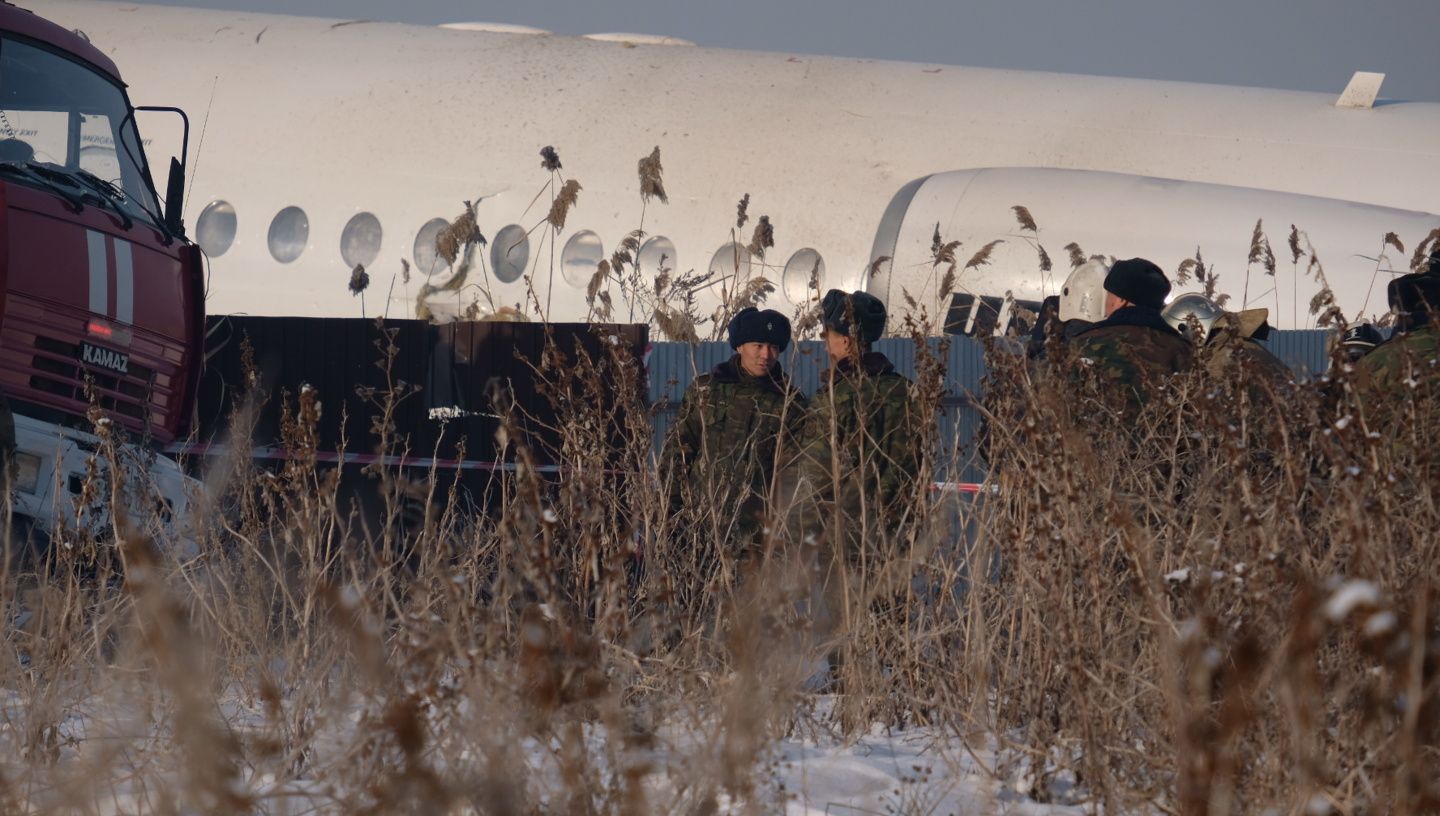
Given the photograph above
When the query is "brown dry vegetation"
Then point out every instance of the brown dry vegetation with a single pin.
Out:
(1223, 604)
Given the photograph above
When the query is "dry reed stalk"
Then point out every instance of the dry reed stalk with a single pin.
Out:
(564, 200)
(652, 184)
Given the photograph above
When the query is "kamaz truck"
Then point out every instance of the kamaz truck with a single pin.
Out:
(102, 301)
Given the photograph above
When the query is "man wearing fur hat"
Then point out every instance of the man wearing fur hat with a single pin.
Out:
(734, 423)
(1408, 364)
(860, 452)
(1133, 350)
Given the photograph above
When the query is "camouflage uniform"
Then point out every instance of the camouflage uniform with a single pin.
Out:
(1233, 346)
(1130, 354)
(1405, 366)
(860, 452)
(720, 455)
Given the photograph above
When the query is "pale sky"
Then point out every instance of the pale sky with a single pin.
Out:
(1312, 45)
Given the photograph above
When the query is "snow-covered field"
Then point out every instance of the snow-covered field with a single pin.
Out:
(908, 772)
(119, 757)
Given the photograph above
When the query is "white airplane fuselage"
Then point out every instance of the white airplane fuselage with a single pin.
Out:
(405, 122)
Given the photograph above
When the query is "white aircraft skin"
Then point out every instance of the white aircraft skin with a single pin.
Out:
(406, 122)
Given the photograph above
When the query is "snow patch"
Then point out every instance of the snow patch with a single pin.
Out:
(1350, 595)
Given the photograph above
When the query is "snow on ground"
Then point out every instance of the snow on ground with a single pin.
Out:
(914, 772)
(898, 772)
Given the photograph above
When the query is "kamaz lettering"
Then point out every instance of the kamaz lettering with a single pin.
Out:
(116, 361)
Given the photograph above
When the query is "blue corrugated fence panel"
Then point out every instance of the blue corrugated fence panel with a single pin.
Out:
(1303, 350)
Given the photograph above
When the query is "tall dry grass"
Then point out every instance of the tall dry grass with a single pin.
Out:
(1224, 603)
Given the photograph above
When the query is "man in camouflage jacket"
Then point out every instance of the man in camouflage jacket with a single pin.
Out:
(859, 466)
(734, 424)
(1126, 358)
(1232, 351)
(1236, 340)
(1407, 366)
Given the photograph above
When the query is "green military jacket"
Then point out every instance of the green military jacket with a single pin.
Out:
(1405, 366)
(1129, 355)
(720, 454)
(1234, 352)
(860, 451)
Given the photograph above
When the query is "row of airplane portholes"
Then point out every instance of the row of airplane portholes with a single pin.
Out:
(289, 234)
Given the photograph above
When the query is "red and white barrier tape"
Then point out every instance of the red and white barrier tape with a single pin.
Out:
(428, 462)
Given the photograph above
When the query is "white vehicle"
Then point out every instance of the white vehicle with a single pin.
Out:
(330, 143)
(57, 468)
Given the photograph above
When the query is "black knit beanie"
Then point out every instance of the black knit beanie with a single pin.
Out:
(1138, 281)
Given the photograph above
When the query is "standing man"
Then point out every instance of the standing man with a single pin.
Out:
(734, 424)
(1133, 350)
(1408, 364)
(857, 481)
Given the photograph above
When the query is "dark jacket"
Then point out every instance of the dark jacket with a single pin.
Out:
(1130, 354)
(721, 452)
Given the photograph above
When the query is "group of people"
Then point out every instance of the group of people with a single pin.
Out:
(1115, 320)
(749, 455)
(752, 457)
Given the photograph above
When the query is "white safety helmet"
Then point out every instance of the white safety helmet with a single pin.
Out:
(1195, 305)
(1083, 295)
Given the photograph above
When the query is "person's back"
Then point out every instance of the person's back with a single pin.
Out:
(1396, 390)
(1235, 355)
(1131, 353)
(1408, 356)
(1409, 363)
(1406, 367)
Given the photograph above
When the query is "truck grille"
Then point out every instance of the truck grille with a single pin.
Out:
(126, 395)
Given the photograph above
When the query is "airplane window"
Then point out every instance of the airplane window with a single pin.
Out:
(656, 253)
(289, 233)
(804, 276)
(427, 258)
(215, 228)
(582, 253)
(510, 253)
(730, 259)
(360, 240)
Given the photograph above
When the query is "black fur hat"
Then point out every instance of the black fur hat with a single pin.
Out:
(1138, 281)
(869, 313)
(750, 325)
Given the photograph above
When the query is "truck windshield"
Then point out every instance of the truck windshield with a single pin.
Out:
(69, 123)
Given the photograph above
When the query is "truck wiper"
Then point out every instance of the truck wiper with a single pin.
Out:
(113, 195)
(100, 192)
(46, 180)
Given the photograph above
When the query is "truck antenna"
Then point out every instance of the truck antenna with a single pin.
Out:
(201, 146)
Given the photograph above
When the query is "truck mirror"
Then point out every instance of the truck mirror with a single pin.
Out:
(175, 186)
(175, 199)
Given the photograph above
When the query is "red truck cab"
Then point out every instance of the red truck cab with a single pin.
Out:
(101, 296)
